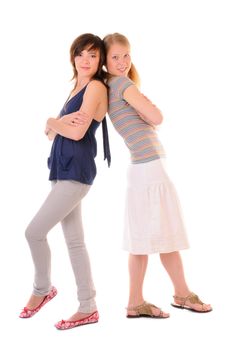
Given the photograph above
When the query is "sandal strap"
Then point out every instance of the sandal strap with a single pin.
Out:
(145, 309)
(193, 298)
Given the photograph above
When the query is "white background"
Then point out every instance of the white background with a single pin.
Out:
(182, 50)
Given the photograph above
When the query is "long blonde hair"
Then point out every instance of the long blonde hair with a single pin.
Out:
(114, 38)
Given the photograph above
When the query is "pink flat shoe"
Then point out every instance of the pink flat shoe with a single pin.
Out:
(93, 318)
(26, 313)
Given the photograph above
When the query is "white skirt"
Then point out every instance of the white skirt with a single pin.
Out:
(153, 219)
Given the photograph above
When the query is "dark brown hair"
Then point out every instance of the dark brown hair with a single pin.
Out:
(88, 41)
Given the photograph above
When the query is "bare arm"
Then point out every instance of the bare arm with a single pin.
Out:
(50, 133)
(91, 100)
(145, 108)
(72, 119)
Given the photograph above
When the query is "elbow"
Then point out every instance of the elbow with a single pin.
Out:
(78, 136)
(156, 115)
(159, 119)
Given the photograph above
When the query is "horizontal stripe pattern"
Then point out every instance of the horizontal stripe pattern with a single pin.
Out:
(140, 137)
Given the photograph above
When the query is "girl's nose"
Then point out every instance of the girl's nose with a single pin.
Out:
(85, 58)
(121, 63)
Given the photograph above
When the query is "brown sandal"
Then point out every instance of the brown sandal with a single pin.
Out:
(145, 310)
(193, 298)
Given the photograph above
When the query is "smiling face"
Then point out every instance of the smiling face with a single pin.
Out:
(87, 63)
(118, 60)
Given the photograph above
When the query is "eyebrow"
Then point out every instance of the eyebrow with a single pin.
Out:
(118, 54)
(92, 49)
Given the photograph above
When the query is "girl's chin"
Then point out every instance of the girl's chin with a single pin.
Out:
(122, 74)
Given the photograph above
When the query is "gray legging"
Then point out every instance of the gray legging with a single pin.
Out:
(63, 204)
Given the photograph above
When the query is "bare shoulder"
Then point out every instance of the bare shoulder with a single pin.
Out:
(96, 86)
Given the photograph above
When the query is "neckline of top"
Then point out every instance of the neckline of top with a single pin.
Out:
(70, 98)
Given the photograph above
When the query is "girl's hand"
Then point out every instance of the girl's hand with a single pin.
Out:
(49, 133)
(143, 116)
(75, 118)
(80, 117)
(147, 120)
(46, 131)
(147, 98)
(146, 109)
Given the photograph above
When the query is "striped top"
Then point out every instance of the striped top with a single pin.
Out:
(140, 137)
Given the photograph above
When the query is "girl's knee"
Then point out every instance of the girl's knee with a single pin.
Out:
(29, 233)
(32, 232)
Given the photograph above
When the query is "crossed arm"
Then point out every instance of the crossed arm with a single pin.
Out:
(145, 108)
(66, 125)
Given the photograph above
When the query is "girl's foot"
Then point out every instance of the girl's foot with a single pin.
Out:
(191, 302)
(146, 310)
(78, 319)
(36, 302)
(79, 316)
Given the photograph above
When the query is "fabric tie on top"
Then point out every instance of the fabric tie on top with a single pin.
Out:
(75, 160)
(106, 144)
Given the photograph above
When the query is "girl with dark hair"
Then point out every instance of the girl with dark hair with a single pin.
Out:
(72, 172)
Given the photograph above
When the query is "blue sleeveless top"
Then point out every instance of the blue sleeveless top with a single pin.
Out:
(74, 160)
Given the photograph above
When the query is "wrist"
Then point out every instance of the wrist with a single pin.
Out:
(50, 122)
